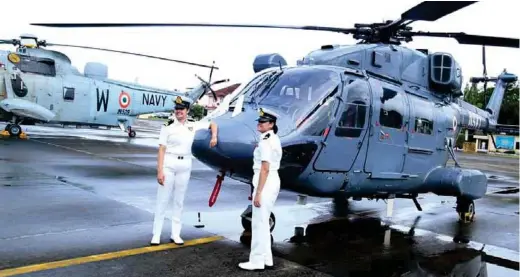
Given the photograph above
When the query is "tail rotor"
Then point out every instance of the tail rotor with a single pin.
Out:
(208, 84)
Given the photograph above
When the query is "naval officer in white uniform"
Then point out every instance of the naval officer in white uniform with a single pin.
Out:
(266, 182)
(174, 167)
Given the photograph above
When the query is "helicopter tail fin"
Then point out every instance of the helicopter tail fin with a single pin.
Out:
(495, 101)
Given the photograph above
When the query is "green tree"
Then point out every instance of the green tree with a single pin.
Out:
(197, 112)
(510, 105)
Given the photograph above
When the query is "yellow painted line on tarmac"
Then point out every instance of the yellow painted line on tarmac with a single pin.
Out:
(105, 256)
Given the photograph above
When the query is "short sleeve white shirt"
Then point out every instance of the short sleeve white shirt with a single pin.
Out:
(269, 149)
(178, 137)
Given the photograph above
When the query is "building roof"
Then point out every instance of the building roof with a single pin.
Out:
(225, 91)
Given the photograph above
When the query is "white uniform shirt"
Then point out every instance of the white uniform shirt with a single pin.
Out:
(269, 149)
(178, 137)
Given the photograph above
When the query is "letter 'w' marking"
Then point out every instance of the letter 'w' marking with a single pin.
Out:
(102, 100)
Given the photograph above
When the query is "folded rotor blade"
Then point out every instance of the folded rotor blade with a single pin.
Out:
(101, 25)
(433, 10)
(464, 38)
(7, 41)
(130, 53)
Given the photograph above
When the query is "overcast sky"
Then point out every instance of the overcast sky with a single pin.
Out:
(234, 49)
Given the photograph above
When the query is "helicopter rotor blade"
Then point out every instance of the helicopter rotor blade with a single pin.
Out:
(211, 73)
(109, 25)
(484, 72)
(427, 11)
(130, 53)
(434, 10)
(8, 41)
(464, 38)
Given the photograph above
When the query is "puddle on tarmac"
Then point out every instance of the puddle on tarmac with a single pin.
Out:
(363, 246)
(360, 245)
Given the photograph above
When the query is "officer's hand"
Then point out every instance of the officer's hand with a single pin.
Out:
(213, 142)
(160, 178)
(258, 198)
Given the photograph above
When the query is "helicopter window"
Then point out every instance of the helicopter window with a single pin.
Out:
(423, 126)
(389, 115)
(43, 66)
(68, 94)
(296, 92)
(352, 120)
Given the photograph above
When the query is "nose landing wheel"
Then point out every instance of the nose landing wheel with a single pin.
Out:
(247, 217)
(13, 130)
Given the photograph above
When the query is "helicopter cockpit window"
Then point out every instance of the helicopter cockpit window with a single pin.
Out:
(36, 65)
(297, 91)
(247, 89)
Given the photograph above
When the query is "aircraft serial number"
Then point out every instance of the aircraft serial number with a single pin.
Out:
(123, 111)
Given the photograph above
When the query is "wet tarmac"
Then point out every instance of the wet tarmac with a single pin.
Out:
(65, 197)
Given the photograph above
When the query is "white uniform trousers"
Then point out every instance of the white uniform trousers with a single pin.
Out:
(176, 177)
(260, 229)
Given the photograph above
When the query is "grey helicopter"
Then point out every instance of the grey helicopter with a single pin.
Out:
(40, 85)
(374, 120)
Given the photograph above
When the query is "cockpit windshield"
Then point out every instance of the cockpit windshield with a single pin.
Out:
(297, 90)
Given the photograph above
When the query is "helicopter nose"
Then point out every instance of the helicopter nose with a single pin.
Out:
(234, 150)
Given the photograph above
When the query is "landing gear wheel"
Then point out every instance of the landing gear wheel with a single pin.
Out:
(14, 130)
(466, 210)
(247, 217)
(7, 127)
(131, 133)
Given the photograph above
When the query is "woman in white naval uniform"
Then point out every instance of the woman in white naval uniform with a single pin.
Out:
(266, 183)
(174, 167)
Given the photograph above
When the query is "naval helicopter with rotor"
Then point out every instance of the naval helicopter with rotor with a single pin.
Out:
(41, 85)
(373, 120)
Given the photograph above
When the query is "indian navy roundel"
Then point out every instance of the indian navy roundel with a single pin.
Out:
(124, 100)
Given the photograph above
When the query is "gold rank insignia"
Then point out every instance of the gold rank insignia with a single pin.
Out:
(178, 100)
(261, 112)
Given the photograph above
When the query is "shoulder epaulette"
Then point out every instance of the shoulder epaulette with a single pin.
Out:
(267, 136)
(169, 122)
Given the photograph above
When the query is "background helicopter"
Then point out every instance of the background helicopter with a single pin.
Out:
(41, 85)
(373, 120)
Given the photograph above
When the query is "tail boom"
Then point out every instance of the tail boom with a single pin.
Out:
(473, 118)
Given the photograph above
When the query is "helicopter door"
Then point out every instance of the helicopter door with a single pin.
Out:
(39, 76)
(422, 138)
(345, 139)
(387, 146)
(75, 99)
